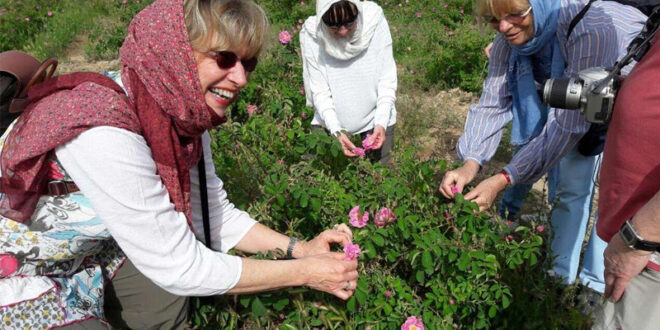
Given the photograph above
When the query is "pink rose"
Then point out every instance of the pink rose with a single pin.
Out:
(388, 293)
(8, 265)
(419, 15)
(359, 151)
(383, 217)
(356, 219)
(454, 190)
(251, 109)
(27, 19)
(540, 228)
(303, 115)
(352, 251)
(369, 142)
(49, 13)
(285, 37)
(509, 238)
(3, 11)
(300, 21)
(412, 323)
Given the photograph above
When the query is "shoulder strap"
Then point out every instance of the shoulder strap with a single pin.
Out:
(205, 201)
(578, 18)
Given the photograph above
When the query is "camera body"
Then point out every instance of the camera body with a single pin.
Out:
(593, 93)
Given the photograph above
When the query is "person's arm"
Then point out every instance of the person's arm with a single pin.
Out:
(564, 128)
(387, 83)
(113, 168)
(317, 84)
(484, 124)
(622, 263)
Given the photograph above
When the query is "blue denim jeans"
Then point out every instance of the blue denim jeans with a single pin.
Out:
(570, 218)
(514, 196)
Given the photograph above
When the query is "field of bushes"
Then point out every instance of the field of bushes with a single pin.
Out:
(438, 260)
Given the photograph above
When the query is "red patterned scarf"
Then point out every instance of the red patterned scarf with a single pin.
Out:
(167, 108)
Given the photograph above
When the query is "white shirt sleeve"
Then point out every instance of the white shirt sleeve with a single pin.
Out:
(387, 83)
(114, 169)
(317, 85)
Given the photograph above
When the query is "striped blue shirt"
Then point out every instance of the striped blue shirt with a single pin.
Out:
(599, 39)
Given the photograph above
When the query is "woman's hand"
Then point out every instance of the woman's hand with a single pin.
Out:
(454, 181)
(331, 273)
(485, 192)
(378, 136)
(341, 234)
(346, 145)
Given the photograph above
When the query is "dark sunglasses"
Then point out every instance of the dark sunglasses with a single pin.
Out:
(347, 24)
(227, 60)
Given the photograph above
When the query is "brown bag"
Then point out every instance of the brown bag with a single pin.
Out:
(18, 72)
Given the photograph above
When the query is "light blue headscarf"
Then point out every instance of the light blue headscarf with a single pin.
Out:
(543, 55)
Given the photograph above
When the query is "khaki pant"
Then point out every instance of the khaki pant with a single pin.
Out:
(638, 309)
(132, 301)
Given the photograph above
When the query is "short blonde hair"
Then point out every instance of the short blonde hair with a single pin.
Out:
(235, 25)
(499, 8)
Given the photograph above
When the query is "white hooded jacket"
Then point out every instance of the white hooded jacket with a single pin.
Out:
(351, 83)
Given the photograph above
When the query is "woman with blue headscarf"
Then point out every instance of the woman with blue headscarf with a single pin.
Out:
(532, 46)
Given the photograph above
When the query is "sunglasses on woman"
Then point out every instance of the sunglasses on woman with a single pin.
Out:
(227, 60)
(347, 24)
(511, 18)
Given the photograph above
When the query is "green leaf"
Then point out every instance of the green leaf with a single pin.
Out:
(492, 312)
(379, 240)
(350, 305)
(427, 260)
(258, 308)
(505, 301)
(280, 304)
(419, 276)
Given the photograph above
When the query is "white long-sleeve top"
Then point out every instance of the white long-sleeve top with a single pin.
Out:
(355, 94)
(114, 169)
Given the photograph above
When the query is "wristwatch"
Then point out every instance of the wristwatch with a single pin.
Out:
(634, 241)
(337, 134)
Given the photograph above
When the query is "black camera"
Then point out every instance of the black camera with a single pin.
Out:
(592, 92)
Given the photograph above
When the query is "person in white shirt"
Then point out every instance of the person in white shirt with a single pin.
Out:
(127, 247)
(350, 74)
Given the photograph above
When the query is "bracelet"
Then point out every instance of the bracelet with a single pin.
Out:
(506, 175)
(289, 249)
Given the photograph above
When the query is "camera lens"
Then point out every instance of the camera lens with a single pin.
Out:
(563, 93)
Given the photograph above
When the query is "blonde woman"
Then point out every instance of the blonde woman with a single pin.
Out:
(126, 248)
(531, 46)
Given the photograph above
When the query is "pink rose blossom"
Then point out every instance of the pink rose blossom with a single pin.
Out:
(462, 11)
(451, 301)
(356, 219)
(3, 10)
(281, 316)
(509, 238)
(27, 19)
(367, 328)
(454, 190)
(300, 21)
(412, 323)
(303, 115)
(251, 109)
(352, 251)
(383, 217)
(359, 151)
(540, 228)
(369, 142)
(285, 37)
(408, 48)
(400, 5)
(302, 91)
(8, 264)
(299, 26)
(123, 2)
(388, 294)
(49, 13)
(281, 161)
(302, 3)
(419, 15)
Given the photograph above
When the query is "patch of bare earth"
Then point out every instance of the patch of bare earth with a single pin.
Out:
(75, 60)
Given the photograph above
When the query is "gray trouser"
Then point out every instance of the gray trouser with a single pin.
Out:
(638, 309)
(132, 301)
(384, 154)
